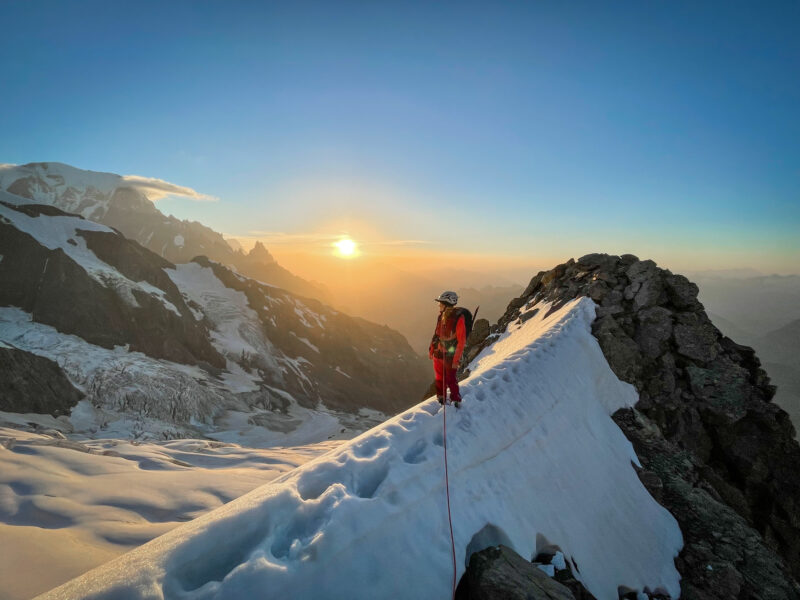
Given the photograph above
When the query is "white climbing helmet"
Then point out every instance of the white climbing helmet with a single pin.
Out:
(450, 298)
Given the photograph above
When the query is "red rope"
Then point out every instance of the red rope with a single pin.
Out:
(446, 478)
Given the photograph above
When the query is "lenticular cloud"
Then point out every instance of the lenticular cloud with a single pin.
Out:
(156, 189)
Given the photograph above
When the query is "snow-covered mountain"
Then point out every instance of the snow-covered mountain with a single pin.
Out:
(603, 416)
(533, 454)
(176, 347)
(122, 202)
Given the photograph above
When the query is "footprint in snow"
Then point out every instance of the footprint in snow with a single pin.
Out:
(431, 408)
(416, 454)
(370, 446)
(465, 423)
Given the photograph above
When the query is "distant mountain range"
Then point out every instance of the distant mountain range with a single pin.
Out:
(87, 313)
(756, 305)
(118, 202)
(395, 297)
(404, 300)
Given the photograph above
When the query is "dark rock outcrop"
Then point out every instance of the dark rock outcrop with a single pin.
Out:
(30, 383)
(499, 573)
(716, 452)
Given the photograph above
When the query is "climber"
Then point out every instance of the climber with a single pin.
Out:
(447, 346)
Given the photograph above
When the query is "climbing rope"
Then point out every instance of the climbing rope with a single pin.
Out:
(446, 478)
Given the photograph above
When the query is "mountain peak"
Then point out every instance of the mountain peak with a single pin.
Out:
(259, 253)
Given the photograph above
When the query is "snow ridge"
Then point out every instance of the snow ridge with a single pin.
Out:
(534, 455)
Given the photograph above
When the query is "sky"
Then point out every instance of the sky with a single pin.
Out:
(499, 133)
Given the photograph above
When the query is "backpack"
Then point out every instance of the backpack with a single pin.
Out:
(469, 318)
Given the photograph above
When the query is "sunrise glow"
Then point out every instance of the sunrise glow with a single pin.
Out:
(346, 248)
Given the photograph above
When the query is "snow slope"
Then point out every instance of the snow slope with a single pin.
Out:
(534, 458)
(237, 328)
(63, 232)
(68, 506)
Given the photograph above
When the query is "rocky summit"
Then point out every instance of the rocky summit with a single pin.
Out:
(715, 451)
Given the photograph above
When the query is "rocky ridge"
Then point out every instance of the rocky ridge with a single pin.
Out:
(715, 451)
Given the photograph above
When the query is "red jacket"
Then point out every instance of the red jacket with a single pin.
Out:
(450, 335)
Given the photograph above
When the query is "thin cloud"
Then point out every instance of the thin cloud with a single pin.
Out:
(406, 243)
(280, 237)
(157, 189)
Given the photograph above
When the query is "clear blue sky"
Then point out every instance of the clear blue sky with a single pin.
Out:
(522, 128)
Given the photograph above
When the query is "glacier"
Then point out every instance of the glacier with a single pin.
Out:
(534, 458)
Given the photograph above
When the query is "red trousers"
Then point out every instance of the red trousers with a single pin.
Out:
(448, 378)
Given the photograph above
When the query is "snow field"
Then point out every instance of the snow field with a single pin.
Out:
(533, 455)
(67, 506)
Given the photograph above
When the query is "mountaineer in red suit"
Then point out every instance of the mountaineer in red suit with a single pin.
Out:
(447, 346)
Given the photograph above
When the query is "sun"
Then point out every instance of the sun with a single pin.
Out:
(346, 248)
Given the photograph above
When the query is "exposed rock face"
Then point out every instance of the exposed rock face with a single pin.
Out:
(351, 362)
(30, 383)
(58, 291)
(716, 452)
(499, 573)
